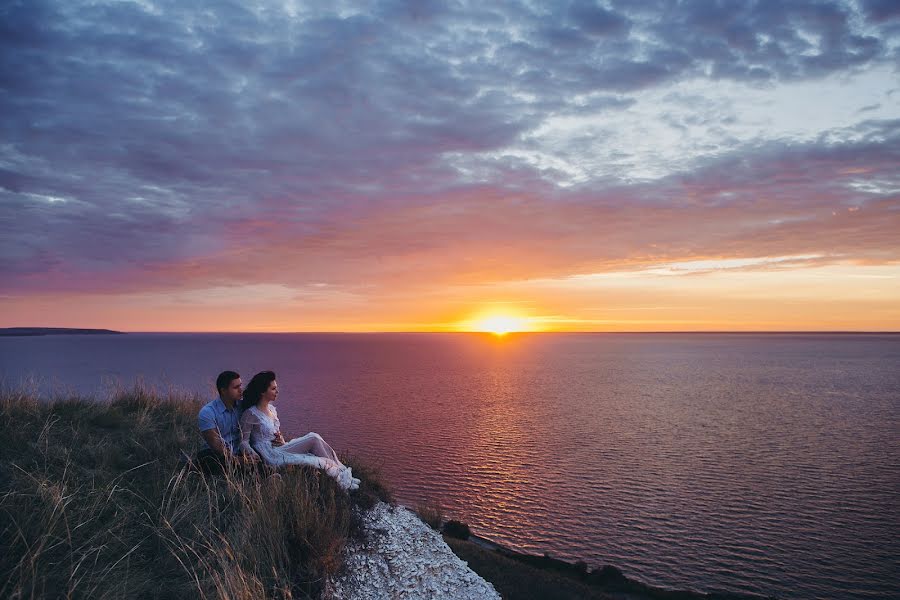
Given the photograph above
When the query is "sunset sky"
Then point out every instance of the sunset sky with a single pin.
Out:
(408, 166)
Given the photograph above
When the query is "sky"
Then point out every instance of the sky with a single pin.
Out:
(432, 166)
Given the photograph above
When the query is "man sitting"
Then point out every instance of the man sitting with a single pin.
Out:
(220, 429)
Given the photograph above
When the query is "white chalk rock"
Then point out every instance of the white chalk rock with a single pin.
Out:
(402, 558)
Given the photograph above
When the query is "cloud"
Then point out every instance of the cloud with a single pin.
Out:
(778, 200)
(203, 145)
(595, 20)
(881, 10)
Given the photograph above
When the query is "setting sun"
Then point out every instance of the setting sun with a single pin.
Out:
(500, 324)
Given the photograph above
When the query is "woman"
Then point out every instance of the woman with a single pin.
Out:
(261, 435)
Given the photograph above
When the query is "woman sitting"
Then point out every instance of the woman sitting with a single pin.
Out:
(261, 435)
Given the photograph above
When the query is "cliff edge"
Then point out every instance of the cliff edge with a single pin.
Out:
(401, 557)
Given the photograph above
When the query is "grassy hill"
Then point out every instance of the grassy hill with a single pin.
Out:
(96, 502)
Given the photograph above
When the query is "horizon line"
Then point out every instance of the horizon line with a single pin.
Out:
(630, 332)
(408, 332)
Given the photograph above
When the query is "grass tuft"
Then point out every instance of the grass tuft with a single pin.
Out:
(431, 514)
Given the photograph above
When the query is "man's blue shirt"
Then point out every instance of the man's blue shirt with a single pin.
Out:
(215, 415)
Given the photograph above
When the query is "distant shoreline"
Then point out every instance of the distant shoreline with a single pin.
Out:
(33, 331)
(40, 331)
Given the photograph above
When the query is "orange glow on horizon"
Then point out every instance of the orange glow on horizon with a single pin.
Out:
(498, 323)
(701, 294)
(501, 324)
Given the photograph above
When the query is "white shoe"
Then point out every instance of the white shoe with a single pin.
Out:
(346, 479)
(343, 476)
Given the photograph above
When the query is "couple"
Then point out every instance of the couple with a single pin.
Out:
(243, 428)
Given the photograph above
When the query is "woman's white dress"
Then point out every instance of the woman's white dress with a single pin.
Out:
(258, 432)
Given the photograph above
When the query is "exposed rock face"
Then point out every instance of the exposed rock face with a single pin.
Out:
(404, 558)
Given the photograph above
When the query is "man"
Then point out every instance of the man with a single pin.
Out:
(220, 429)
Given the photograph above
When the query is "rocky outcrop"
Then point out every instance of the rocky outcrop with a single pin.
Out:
(402, 557)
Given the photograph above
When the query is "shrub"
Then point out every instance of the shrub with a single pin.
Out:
(457, 529)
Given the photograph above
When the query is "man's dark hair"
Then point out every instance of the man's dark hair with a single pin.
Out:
(224, 379)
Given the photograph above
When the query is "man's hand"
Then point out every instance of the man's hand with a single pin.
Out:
(250, 457)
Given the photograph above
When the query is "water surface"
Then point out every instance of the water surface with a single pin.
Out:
(726, 462)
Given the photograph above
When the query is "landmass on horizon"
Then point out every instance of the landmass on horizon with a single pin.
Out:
(36, 331)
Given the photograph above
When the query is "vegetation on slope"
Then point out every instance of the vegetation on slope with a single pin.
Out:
(97, 502)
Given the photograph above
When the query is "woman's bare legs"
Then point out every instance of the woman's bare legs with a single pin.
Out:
(312, 443)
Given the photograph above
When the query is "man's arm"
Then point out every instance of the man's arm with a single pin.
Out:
(206, 420)
(214, 440)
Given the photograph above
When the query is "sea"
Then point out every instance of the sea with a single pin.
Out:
(757, 463)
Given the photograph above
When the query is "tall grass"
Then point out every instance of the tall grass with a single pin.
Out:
(95, 502)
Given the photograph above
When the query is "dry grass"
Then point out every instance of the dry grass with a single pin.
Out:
(95, 503)
(431, 514)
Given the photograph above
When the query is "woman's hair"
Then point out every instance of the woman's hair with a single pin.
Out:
(256, 388)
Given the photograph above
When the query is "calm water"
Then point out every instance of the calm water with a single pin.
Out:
(756, 463)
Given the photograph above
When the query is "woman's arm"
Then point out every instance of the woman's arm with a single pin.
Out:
(248, 422)
(278, 440)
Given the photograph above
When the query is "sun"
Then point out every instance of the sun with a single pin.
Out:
(500, 324)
